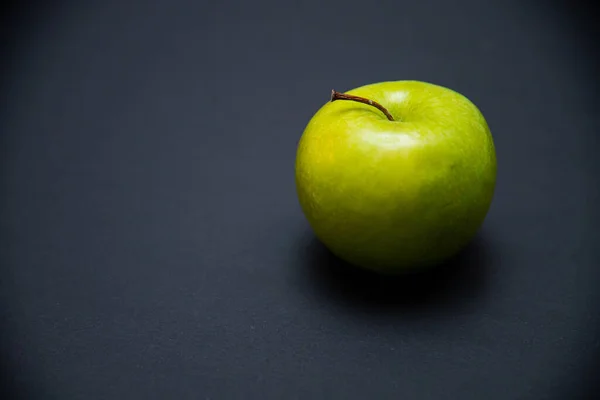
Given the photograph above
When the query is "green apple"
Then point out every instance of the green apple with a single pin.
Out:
(396, 176)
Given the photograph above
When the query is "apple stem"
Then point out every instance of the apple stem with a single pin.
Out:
(341, 96)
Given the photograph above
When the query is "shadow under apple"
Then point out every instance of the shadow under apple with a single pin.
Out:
(449, 286)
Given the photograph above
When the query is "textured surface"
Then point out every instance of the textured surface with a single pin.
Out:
(151, 242)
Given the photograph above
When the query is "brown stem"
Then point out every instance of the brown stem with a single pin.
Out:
(342, 96)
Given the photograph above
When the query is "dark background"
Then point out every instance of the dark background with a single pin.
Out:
(152, 247)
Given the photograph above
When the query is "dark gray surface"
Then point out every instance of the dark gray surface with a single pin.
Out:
(151, 244)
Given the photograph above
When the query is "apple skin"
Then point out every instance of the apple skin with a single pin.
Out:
(396, 196)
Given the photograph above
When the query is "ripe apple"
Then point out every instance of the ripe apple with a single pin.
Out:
(396, 176)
